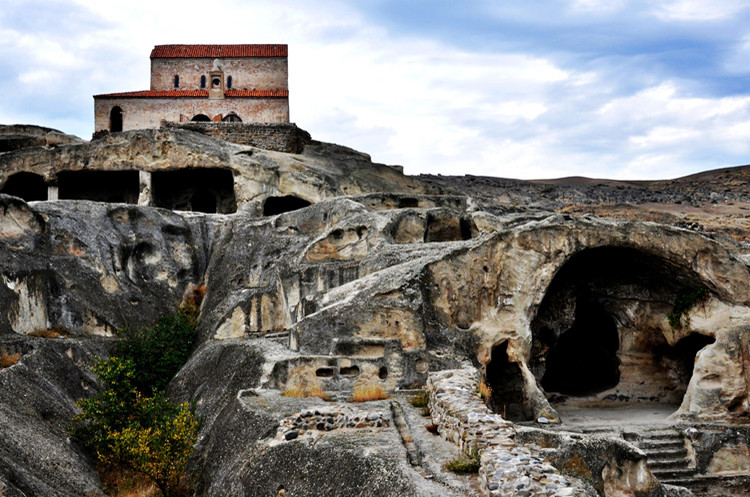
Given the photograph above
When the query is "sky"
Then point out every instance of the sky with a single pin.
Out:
(642, 89)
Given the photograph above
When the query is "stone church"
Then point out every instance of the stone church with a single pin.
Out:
(230, 83)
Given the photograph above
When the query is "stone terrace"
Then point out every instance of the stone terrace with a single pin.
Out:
(506, 468)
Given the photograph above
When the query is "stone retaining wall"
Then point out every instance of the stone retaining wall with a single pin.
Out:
(280, 137)
(506, 470)
(327, 418)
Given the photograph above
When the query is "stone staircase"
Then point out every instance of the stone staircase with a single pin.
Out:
(281, 337)
(666, 454)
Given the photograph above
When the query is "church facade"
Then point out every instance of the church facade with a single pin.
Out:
(229, 83)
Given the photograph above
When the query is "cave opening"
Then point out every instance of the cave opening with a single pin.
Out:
(208, 190)
(506, 385)
(679, 359)
(599, 333)
(100, 186)
(278, 205)
(28, 186)
(584, 360)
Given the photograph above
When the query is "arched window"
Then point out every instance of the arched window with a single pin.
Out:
(201, 118)
(203, 81)
(176, 81)
(232, 118)
(115, 120)
(229, 82)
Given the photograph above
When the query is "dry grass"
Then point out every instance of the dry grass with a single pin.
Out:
(122, 482)
(49, 333)
(421, 399)
(7, 360)
(368, 392)
(303, 382)
(312, 391)
(484, 391)
(195, 297)
(432, 428)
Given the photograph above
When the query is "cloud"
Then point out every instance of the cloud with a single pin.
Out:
(581, 87)
(699, 10)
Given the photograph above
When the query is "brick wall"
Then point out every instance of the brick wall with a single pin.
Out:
(281, 137)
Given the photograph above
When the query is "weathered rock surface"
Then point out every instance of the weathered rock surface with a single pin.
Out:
(37, 402)
(18, 136)
(93, 268)
(348, 275)
(240, 454)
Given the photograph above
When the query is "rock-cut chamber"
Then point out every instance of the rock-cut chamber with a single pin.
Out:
(599, 334)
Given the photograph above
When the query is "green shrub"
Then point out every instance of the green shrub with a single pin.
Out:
(130, 422)
(159, 351)
(685, 301)
(466, 463)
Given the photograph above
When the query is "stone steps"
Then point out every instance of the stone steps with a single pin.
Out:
(281, 337)
(666, 455)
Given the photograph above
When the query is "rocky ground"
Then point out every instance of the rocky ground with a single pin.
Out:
(715, 201)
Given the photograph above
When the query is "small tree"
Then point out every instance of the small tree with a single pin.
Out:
(112, 409)
(161, 448)
(159, 351)
(130, 422)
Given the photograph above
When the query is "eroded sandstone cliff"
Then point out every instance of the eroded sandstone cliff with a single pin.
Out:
(348, 275)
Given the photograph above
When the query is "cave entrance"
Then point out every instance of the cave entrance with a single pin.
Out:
(100, 186)
(28, 186)
(584, 359)
(279, 205)
(506, 385)
(598, 336)
(209, 190)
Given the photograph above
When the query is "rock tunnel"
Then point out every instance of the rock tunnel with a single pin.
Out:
(209, 190)
(599, 335)
(100, 186)
(278, 205)
(28, 186)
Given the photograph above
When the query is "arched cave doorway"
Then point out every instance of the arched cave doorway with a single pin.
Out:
(201, 118)
(28, 186)
(115, 119)
(279, 205)
(506, 385)
(597, 333)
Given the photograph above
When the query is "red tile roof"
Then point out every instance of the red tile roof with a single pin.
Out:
(218, 51)
(194, 93)
(256, 93)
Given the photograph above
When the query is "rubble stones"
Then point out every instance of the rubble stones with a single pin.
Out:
(328, 418)
(506, 470)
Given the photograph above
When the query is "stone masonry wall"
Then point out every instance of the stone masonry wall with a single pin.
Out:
(248, 73)
(147, 113)
(506, 470)
(281, 137)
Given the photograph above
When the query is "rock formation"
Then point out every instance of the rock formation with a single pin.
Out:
(324, 268)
